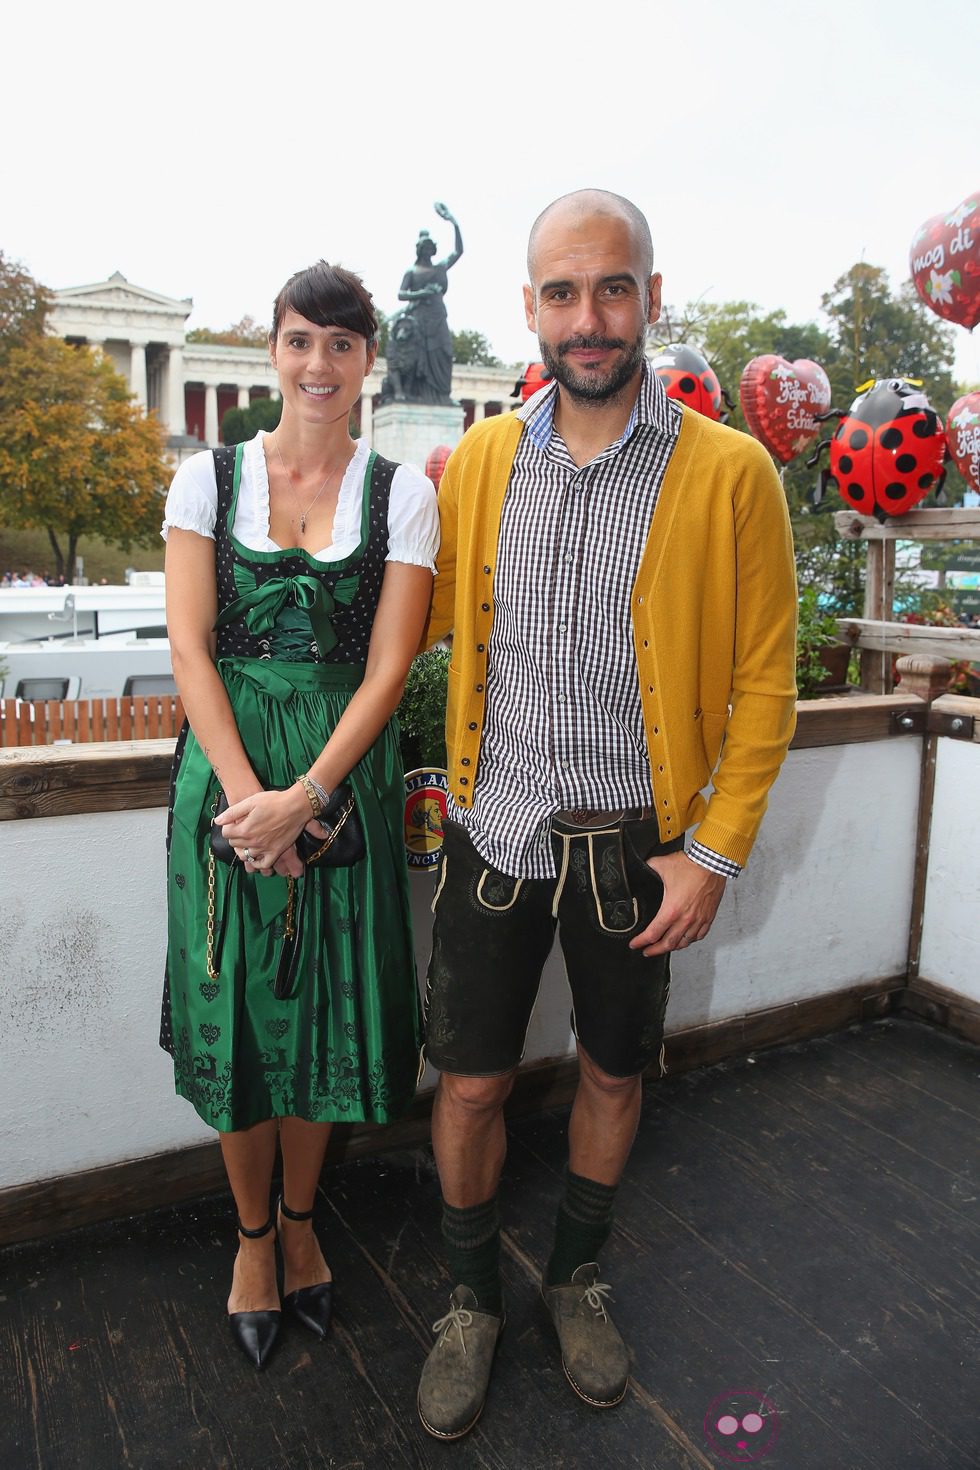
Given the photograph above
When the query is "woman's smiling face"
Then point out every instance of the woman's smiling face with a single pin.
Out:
(321, 369)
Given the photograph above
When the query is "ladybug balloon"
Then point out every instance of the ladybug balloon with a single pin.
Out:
(536, 375)
(945, 262)
(687, 377)
(888, 450)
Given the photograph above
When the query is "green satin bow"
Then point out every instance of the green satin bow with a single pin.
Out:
(262, 606)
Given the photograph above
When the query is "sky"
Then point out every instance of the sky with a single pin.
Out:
(209, 150)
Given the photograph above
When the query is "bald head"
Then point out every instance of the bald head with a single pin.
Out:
(574, 210)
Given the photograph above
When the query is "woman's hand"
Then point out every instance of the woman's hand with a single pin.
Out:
(288, 865)
(266, 827)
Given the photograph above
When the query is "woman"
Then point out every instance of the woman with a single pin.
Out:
(424, 285)
(299, 573)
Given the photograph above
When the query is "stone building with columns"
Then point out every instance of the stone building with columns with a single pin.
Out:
(190, 385)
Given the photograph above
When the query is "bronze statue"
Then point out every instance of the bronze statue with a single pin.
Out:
(420, 344)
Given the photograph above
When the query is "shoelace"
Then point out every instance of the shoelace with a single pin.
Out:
(457, 1317)
(594, 1296)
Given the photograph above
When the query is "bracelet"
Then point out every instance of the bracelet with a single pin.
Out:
(321, 792)
(312, 793)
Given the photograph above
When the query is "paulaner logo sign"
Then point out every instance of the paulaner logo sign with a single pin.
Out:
(425, 810)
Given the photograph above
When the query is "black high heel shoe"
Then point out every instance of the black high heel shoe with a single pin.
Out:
(256, 1332)
(311, 1305)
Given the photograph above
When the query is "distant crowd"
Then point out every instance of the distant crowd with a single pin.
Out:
(31, 579)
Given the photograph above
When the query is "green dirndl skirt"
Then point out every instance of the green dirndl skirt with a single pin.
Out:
(345, 1046)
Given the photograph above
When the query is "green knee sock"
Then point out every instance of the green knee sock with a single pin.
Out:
(585, 1218)
(472, 1241)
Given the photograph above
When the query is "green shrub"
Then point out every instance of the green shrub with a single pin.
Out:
(422, 712)
(817, 630)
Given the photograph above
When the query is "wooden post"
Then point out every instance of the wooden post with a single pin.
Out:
(956, 523)
(926, 679)
(879, 594)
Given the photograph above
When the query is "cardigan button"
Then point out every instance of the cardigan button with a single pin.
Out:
(478, 688)
(486, 571)
(485, 606)
(481, 647)
(466, 761)
(472, 724)
(464, 781)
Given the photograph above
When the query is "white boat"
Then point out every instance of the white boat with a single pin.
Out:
(85, 642)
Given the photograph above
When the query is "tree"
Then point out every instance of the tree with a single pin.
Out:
(729, 335)
(77, 455)
(239, 424)
(878, 334)
(24, 304)
(471, 348)
(246, 333)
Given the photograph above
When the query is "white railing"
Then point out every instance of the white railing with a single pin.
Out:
(823, 907)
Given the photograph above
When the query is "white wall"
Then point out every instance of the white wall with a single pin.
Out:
(823, 905)
(951, 922)
(825, 899)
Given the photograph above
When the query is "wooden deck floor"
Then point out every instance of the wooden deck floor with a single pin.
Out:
(805, 1225)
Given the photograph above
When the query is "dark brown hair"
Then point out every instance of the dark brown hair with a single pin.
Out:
(329, 296)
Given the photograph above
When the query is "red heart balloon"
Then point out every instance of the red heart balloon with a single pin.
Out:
(963, 437)
(780, 399)
(945, 263)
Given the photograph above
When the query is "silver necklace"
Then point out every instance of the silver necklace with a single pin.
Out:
(289, 481)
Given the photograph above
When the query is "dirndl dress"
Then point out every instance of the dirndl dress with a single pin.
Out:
(292, 641)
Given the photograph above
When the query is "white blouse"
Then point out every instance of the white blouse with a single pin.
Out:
(413, 519)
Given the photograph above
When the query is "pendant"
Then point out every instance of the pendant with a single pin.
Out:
(302, 524)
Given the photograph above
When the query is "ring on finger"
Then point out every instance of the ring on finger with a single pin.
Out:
(246, 855)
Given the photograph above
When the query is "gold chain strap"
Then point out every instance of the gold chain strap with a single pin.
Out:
(212, 972)
(334, 832)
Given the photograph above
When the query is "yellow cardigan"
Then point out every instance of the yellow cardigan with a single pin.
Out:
(714, 623)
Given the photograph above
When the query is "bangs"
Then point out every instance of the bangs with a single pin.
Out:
(328, 296)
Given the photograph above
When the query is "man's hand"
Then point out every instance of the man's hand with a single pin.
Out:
(691, 898)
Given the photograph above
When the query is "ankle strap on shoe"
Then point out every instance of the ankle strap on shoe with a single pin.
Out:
(256, 1234)
(294, 1214)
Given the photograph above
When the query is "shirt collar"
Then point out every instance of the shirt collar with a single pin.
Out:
(652, 410)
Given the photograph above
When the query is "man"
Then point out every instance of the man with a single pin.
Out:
(619, 574)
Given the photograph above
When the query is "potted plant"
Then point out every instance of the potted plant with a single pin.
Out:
(821, 659)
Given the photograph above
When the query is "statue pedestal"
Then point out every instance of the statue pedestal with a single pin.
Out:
(408, 432)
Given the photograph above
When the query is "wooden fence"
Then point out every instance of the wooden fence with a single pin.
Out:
(43, 722)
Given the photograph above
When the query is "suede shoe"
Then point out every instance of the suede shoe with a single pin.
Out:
(593, 1355)
(456, 1376)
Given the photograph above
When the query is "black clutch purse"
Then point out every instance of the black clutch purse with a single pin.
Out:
(342, 846)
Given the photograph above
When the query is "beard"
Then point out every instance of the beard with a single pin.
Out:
(594, 385)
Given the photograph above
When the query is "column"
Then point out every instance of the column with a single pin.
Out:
(96, 344)
(137, 371)
(211, 428)
(479, 409)
(367, 408)
(176, 419)
(243, 398)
